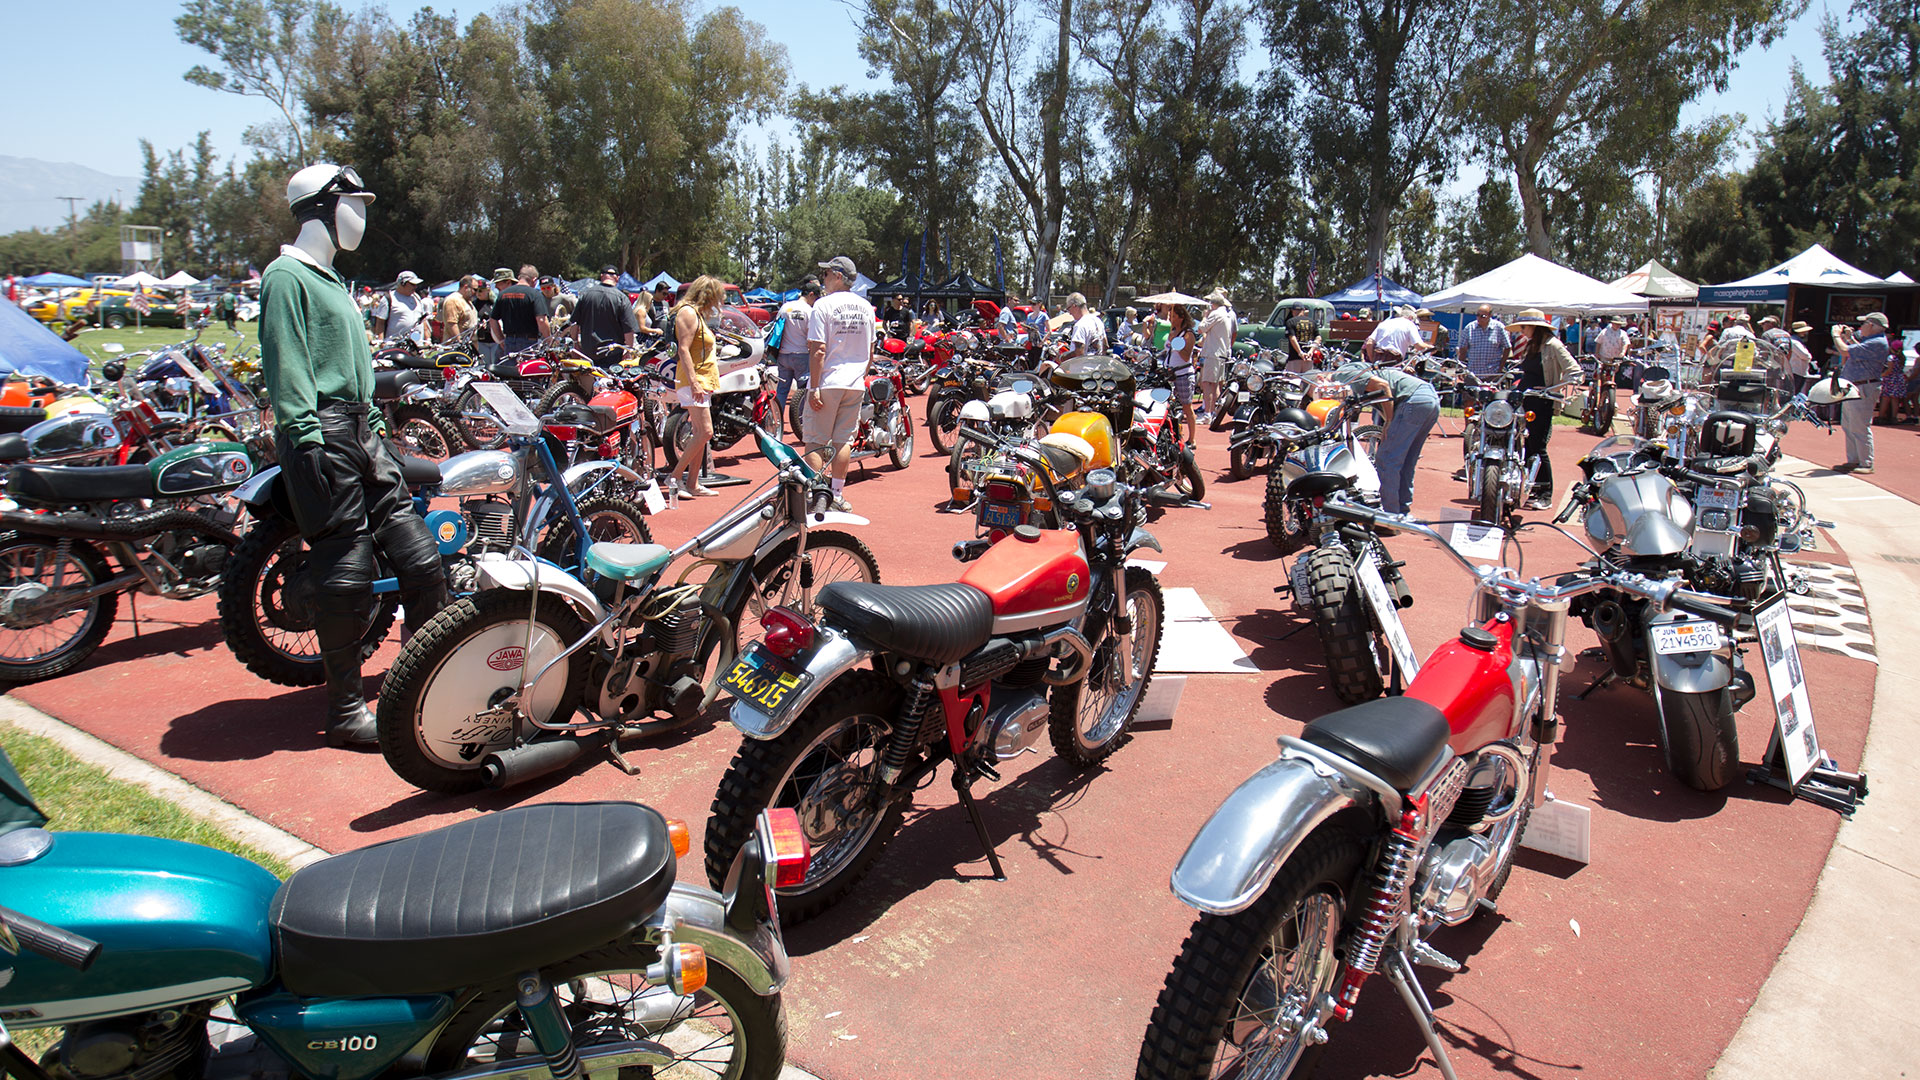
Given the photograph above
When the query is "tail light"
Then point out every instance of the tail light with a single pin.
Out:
(785, 846)
(1002, 492)
(681, 838)
(681, 968)
(786, 632)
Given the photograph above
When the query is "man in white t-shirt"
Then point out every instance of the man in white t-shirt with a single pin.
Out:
(839, 345)
(1216, 345)
(401, 315)
(1393, 340)
(1612, 342)
(1088, 336)
(794, 360)
(1008, 322)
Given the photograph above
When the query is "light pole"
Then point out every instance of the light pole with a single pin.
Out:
(73, 227)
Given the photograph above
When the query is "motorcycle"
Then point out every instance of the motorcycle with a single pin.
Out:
(166, 522)
(1326, 436)
(885, 425)
(416, 423)
(1008, 414)
(486, 692)
(598, 961)
(958, 378)
(1596, 416)
(266, 593)
(1499, 476)
(1046, 630)
(1157, 453)
(1376, 827)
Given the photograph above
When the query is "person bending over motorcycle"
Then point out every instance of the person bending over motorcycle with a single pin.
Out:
(344, 485)
(1411, 410)
(1544, 362)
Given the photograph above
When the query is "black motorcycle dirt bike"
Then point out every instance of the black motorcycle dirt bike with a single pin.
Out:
(951, 385)
(166, 523)
(1597, 417)
(1329, 584)
(970, 672)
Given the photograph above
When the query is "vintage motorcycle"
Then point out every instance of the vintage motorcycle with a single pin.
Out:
(486, 692)
(1376, 827)
(1326, 436)
(266, 594)
(1596, 416)
(1499, 475)
(885, 425)
(166, 523)
(1350, 587)
(417, 423)
(598, 961)
(1008, 414)
(1046, 630)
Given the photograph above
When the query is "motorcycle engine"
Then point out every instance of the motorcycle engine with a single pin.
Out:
(203, 560)
(156, 1046)
(880, 433)
(493, 523)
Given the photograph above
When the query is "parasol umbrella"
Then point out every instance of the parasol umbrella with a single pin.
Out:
(1170, 298)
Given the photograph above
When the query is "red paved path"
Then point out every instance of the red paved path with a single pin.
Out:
(936, 972)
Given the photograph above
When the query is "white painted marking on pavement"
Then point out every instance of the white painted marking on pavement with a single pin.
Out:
(1195, 642)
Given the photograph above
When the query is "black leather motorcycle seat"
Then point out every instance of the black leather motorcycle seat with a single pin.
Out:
(388, 385)
(1316, 485)
(473, 903)
(13, 447)
(935, 623)
(1062, 461)
(62, 484)
(20, 417)
(595, 418)
(413, 361)
(1398, 739)
(505, 368)
(417, 472)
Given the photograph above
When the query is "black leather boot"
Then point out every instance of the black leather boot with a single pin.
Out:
(419, 605)
(349, 721)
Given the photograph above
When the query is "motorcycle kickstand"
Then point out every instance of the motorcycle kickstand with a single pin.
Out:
(614, 752)
(1605, 678)
(963, 785)
(1400, 973)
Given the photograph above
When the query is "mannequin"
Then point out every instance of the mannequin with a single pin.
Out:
(343, 484)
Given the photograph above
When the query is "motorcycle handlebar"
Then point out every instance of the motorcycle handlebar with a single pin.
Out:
(45, 939)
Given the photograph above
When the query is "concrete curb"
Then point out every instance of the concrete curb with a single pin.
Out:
(243, 826)
(1843, 984)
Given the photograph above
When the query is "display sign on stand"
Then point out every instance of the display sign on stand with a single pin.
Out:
(1795, 761)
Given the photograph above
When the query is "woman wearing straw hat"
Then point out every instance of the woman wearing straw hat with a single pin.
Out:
(1544, 363)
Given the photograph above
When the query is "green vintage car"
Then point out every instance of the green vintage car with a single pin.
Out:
(1272, 334)
(118, 311)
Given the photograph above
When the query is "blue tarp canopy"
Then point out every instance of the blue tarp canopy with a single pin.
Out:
(575, 287)
(1371, 292)
(32, 349)
(629, 283)
(55, 281)
(761, 294)
(446, 288)
(654, 282)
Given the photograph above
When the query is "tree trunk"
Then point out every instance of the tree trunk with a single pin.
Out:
(1121, 244)
(1051, 118)
(1533, 209)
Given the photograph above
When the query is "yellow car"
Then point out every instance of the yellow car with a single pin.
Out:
(65, 306)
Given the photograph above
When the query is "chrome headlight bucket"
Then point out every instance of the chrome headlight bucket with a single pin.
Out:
(1498, 413)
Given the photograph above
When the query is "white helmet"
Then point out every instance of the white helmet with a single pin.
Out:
(314, 184)
(1832, 390)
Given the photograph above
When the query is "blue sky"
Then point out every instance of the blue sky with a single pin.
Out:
(131, 87)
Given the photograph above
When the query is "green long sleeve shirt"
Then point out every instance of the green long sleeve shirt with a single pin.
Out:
(313, 347)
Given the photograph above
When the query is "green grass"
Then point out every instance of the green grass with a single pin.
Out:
(76, 797)
(93, 342)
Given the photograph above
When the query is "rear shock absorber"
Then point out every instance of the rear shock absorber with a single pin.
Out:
(1380, 912)
(906, 732)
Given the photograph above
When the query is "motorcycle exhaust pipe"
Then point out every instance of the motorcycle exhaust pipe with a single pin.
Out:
(530, 761)
(969, 550)
(1610, 620)
(93, 527)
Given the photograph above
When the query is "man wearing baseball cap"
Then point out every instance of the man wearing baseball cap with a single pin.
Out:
(401, 315)
(1864, 358)
(839, 345)
(602, 317)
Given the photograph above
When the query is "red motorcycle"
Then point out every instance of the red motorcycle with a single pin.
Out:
(1377, 826)
(846, 718)
(886, 426)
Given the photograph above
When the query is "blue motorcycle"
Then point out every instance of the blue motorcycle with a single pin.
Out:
(538, 941)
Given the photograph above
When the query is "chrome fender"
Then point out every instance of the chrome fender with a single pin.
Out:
(1689, 673)
(698, 916)
(834, 653)
(523, 574)
(1256, 829)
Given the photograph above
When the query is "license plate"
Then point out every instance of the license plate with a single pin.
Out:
(1687, 637)
(1715, 498)
(1245, 395)
(1000, 515)
(763, 680)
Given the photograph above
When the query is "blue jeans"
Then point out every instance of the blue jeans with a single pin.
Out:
(1400, 448)
(793, 366)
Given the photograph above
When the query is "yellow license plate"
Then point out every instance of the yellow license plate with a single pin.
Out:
(763, 680)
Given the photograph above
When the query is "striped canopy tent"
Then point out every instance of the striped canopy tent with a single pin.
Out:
(1657, 282)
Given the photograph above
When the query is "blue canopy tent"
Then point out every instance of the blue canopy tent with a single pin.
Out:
(32, 349)
(628, 283)
(1372, 291)
(446, 288)
(653, 282)
(55, 281)
(576, 287)
(760, 294)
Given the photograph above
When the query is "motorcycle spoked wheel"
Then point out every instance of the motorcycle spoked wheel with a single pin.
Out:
(901, 452)
(1239, 994)
(1699, 737)
(826, 766)
(482, 431)
(1369, 436)
(1092, 718)
(1288, 524)
(723, 1030)
(1492, 508)
(420, 432)
(1251, 459)
(33, 566)
(466, 660)
(609, 518)
(1354, 654)
(943, 422)
(558, 396)
(266, 607)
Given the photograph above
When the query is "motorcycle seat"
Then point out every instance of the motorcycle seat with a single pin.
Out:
(935, 623)
(627, 562)
(13, 447)
(417, 472)
(598, 419)
(473, 903)
(20, 417)
(1318, 485)
(388, 385)
(63, 484)
(1398, 739)
(505, 368)
(412, 361)
(1061, 460)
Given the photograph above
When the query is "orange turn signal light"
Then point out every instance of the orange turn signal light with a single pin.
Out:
(1470, 410)
(1529, 416)
(689, 969)
(681, 838)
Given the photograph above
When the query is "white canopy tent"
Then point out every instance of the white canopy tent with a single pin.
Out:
(180, 279)
(1658, 282)
(862, 284)
(1814, 266)
(138, 280)
(1532, 282)
(1899, 277)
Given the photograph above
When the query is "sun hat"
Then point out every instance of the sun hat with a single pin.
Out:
(501, 273)
(1531, 317)
(1800, 327)
(1874, 317)
(1769, 319)
(1618, 320)
(1423, 313)
(1217, 296)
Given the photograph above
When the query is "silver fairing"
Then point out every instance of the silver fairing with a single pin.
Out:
(1643, 514)
(479, 472)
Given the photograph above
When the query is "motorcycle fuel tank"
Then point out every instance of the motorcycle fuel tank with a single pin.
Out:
(623, 403)
(1096, 429)
(1037, 579)
(479, 472)
(1472, 687)
(177, 923)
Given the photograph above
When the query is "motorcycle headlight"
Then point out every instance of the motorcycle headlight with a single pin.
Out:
(1254, 382)
(1242, 370)
(1499, 413)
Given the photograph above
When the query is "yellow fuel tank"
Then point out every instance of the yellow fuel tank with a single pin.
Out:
(1320, 409)
(1098, 432)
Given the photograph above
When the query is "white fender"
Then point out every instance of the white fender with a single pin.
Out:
(779, 536)
(496, 572)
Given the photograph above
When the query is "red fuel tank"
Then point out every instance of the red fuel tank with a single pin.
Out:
(623, 404)
(1472, 687)
(1033, 583)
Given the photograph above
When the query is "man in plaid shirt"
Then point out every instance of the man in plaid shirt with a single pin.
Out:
(1483, 348)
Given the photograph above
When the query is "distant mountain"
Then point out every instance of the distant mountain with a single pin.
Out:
(30, 191)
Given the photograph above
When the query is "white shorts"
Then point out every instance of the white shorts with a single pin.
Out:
(835, 421)
(684, 395)
(1213, 369)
